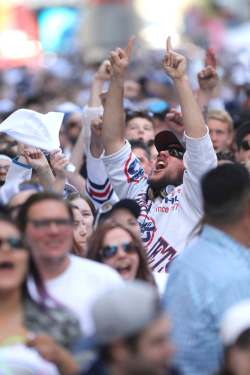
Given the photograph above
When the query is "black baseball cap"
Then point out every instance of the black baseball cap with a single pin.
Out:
(129, 204)
(106, 209)
(165, 139)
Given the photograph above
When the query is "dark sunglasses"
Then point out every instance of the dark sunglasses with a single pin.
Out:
(245, 145)
(14, 242)
(175, 153)
(110, 251)
(44, 223)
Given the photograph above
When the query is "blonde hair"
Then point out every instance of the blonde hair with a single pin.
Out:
(221, 115)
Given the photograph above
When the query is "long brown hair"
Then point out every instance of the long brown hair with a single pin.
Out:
(95, 244)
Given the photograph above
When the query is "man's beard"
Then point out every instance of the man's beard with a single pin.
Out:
(159, 184)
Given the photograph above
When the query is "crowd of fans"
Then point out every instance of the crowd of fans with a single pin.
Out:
(125, 219)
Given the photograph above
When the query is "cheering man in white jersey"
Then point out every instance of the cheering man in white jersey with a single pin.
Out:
(170, 198)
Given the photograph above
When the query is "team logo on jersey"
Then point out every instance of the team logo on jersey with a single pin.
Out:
(133, 170)
(148, 228)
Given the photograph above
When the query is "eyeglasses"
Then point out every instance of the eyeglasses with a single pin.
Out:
(14, 242)
(175, 153)
(45, 223)
(245, 145)
(110, 251)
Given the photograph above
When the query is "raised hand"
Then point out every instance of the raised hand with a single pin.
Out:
(104, 71)
(58, 163)
(53, 352)
(210, 59)
(174, 121)
(120, 58)
(174, 63)
(35, 157)
(208, 78)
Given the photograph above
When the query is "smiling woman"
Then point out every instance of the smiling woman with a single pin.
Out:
(27, 327)
(118, 247)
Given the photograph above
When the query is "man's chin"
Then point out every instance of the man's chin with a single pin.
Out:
(157, 183)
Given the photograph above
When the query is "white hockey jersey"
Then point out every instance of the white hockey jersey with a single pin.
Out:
(166, 223)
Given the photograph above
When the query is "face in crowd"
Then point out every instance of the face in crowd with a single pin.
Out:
(221, 134)
(119, 252)
(13, 258)
(139, 128)
(127, 219)
(79, 232)
(167, 170)
(83, 224)
(4, 167)
(151, 348)
(49, 232)
(154, 345)
(243, 153)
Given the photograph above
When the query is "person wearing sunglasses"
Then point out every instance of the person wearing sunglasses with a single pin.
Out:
(243, 143)
(170, 198)
(30, 330)
(118, 247)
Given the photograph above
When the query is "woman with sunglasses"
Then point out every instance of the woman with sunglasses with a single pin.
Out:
(118, 247)
(33, 337)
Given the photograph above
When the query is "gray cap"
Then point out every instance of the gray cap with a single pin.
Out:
(125, 311)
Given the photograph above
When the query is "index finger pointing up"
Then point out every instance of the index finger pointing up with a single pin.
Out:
(168, 44)
(129, 47)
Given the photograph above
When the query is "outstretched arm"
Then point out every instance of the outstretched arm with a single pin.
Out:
(113, 119)
(175, 66)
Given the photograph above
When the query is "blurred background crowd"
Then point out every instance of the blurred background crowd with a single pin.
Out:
(65, 40)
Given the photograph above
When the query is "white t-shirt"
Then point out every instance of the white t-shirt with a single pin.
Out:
(20, 360)
(166, 222)
(78, 287)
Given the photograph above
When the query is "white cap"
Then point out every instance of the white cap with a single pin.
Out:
(234, 322)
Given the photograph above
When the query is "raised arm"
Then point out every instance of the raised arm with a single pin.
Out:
(208, 82)
(175, 66)
(113, 119)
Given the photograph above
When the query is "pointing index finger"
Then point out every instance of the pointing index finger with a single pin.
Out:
(129, 47)
(168, 44)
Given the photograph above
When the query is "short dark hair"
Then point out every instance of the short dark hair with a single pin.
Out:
(225, 190)
(242, 131)
(22, 217)
(130, 115)
(140, 144)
